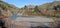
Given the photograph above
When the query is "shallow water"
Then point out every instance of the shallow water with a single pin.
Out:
(35, 19)
(32, 18)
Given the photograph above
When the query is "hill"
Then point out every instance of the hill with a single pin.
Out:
(48, 9)
(8, 9)
(51, 9)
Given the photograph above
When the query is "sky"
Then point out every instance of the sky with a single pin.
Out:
(22, 3)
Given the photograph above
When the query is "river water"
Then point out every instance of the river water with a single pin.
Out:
(32, 19)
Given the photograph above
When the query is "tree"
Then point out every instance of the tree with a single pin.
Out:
(58, 6)
(36, 9)
(55, 8)
(0, 11)
(25, 7)
(3, 6)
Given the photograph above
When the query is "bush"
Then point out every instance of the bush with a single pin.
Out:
(0, 10)
(58, 6)
(3, 6)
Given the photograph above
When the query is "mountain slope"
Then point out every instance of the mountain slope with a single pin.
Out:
(8, 9)
(47, 9)
(50, 8)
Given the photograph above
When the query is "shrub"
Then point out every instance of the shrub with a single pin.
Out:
(3, 6)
